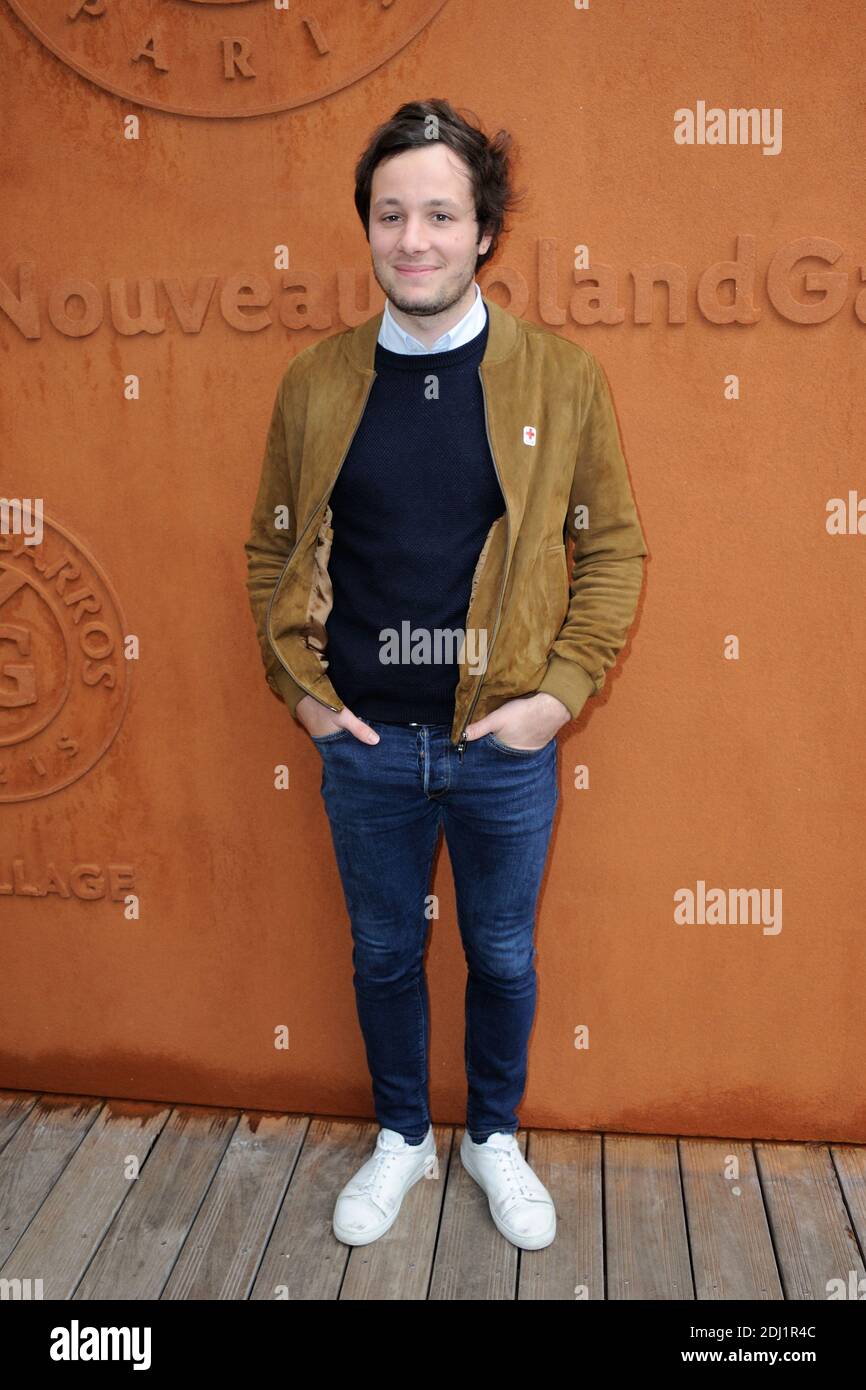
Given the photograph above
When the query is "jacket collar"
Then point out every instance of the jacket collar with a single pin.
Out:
(360, 343)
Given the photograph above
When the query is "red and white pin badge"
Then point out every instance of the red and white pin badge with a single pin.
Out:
(528, 435)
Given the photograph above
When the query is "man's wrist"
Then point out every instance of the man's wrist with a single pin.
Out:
(554, 704)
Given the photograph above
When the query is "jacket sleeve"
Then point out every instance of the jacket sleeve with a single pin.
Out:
(607, 568)
(269, 545)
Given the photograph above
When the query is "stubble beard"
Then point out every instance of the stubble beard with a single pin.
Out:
(442, 299)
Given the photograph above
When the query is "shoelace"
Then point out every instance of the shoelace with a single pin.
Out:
(507, 1160)
(519, 1185)
(373, 1183)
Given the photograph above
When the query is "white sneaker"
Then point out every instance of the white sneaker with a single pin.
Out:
(520, 1204)
(369, 1204)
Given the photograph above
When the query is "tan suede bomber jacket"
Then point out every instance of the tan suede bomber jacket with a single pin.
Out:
(556, 449)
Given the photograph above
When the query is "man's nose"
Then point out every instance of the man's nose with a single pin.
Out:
(414, 237)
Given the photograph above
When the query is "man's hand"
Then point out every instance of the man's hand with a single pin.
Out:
(318, 719)
(523, 723)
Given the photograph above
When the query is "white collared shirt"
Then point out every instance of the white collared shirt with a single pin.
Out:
(396, 339)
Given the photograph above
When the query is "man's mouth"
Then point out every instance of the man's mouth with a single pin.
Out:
(415, 269)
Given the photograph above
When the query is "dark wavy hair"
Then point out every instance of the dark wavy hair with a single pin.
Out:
(489, 161)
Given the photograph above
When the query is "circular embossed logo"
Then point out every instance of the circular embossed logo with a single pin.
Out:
(225, 57)
(64, 682)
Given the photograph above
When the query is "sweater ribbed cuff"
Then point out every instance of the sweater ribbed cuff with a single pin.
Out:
(287, 689)
(568, 682)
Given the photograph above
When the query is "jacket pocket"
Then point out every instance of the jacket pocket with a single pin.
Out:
(558, 588)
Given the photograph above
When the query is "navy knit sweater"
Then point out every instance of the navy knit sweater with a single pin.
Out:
(413, 502)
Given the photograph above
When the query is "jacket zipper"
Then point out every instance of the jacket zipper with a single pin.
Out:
(335, 708)
(462, 740)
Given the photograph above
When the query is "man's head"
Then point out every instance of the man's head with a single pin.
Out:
(432, 192)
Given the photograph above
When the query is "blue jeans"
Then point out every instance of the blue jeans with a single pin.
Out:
(385, 803)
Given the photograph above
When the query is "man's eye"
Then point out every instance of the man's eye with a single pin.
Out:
(388, 215)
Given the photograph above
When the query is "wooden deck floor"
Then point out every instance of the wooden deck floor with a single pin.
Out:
(238, 1205)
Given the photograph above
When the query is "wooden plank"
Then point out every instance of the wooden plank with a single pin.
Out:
(35, 1156)
(811, 1230)
(224, 1247)
(304, 1259)
(67, 1229)
(137, 1252)
(732, 1250)
(647, 1244)
(570, 1166)
(473, 1261)
(15, 1106)
(398, 1265)
(850, 1163)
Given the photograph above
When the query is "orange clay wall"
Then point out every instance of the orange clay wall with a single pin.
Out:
(177, 223)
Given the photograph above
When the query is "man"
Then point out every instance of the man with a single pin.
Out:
(409, 580)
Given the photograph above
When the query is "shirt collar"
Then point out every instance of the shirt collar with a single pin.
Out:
(396, 339)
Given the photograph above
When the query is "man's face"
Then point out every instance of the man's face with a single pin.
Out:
(423, 233)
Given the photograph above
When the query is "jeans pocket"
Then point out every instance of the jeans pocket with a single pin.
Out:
(330, 738)
(516, 752)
